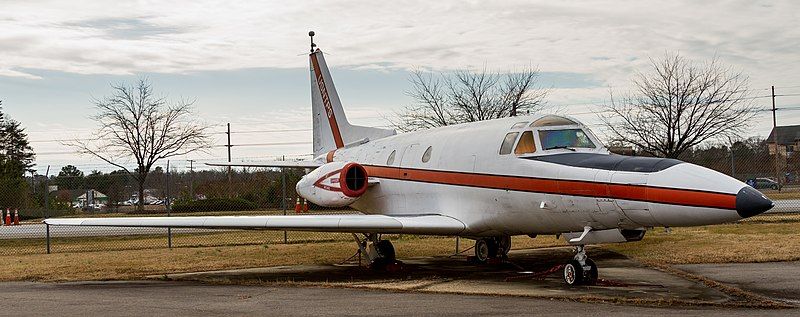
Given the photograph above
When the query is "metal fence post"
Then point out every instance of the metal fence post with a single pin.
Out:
(458, 239)
(283, 202)
(169, 208)
(47, 236)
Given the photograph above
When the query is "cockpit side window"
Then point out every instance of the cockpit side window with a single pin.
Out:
(508, 143)
(525, 144)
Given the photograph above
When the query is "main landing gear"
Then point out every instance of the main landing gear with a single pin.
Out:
(380, 253)
(492, 249)
(581, 270)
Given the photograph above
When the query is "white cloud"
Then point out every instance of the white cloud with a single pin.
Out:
(13, 73)
(604, 40)
(607, 38)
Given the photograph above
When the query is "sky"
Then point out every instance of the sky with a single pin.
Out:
(245, 62)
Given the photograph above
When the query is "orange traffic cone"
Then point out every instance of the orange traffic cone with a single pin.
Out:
(297, 206)
(8, 217)
(305, 205)
(16, 217)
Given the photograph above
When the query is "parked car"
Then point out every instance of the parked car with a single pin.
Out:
(763, 182)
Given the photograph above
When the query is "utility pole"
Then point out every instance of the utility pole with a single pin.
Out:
(46, 192)
(775, 140)
(167, 189)
(191, 180)
(229, 158)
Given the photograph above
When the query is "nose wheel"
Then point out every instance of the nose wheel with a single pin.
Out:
(581, 270)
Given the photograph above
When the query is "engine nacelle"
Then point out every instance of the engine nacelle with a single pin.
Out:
(335, 184)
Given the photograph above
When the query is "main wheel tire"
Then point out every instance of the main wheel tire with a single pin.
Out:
(573, 273)
(494, 247)
(482, 250)
(590, 276)
(385, 250)
(504, 245)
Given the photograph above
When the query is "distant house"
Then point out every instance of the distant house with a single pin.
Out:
(96, 197)
(788, 140)
(68, 195)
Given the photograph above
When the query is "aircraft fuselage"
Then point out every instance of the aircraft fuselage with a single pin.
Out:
(464, 176)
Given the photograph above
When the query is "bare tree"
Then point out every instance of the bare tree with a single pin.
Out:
(136, 124)
(678, 105)
(463, 96)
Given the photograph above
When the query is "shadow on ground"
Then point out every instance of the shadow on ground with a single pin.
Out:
(622, 280)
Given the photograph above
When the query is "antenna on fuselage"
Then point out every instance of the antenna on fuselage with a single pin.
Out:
(311, 34)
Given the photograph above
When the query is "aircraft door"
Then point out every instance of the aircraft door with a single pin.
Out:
(410, 191)
(605, 204)
(635, 210)
(607, 208)
(578, 194)
(409, 158)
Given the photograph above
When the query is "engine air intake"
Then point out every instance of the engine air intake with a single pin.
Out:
(353, 180)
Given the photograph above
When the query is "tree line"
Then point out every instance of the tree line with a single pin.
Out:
(262, 187)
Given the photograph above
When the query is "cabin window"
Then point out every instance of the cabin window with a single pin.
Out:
(519, 125)
(549, 121)
(390, 160)
(564, 139)
(508, 143)
(427, 155)
(525, 144)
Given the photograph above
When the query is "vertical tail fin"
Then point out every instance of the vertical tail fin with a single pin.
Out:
(331, 128)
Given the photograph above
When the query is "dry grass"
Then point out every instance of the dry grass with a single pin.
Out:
(737, 243)
(752, 241)
(135, 264)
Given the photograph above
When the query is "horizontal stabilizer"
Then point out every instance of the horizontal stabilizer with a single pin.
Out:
(424, 224)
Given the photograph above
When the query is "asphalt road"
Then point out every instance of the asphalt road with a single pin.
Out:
(193, 299)
(777, 280)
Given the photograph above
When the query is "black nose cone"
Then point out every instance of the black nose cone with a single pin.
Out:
(751, 202)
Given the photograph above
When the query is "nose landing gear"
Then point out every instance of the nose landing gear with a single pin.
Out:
(581, 270)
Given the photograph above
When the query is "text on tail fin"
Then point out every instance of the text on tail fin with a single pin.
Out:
(326, 101)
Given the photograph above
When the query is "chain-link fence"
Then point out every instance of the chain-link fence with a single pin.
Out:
(215, 192)
(164, 194)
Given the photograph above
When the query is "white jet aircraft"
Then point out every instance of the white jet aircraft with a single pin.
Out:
(487, 181)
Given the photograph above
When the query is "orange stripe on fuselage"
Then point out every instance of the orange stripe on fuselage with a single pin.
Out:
(671, 196)
(326, 102)
(329, 156)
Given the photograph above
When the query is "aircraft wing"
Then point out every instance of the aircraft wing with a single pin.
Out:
(300, 164)
(422, 224)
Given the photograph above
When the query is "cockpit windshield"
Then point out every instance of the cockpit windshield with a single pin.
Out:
(564, 139)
